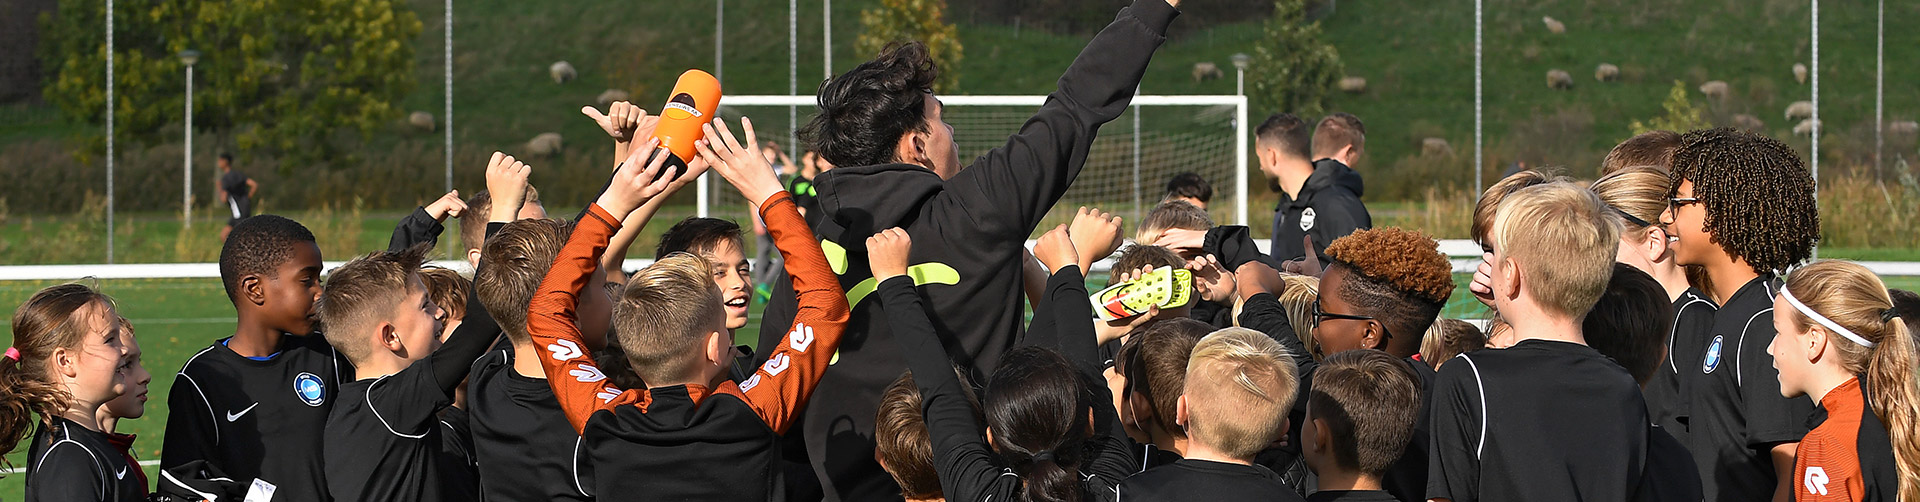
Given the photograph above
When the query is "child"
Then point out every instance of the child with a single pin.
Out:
(65, 364)
(1843, 343)
(1189, 188)
(903, 446)
(131, 404)
(479, 213)
(1648, 149)
(1357, 424)
(1548, 418)
(691, 423)
(1153, 365)
(1483, 211)
(723, 245)
(1239, 386)
(382, 440)
(1630, 324)
(458, 467)
(254, 405)
(1742, 207)
(1448, 338)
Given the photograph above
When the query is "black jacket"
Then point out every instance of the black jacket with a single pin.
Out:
(968, 233)
(1328, 208)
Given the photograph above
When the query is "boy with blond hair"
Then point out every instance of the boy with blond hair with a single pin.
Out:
(1548, 418)
(1240, 384)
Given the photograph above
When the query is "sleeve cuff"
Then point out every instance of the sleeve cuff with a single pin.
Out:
(1155, 14)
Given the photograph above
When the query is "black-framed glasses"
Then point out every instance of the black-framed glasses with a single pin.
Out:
(1320, 314)
(1678, 202)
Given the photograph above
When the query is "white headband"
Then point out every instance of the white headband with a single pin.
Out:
(1823, 320)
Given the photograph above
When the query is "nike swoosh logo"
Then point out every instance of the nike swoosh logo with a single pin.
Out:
(120, 474)
(231, 416)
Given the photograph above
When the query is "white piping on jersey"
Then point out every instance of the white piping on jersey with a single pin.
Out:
(1482, 387)
(176, 482)
(1737, 368)
(211, 417)
(576, 467)
(1676, 328)
(376, 411)
(98, 467)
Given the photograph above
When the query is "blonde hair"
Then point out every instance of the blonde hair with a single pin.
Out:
(1447, 338)
(1302, 291)
(1850, 295)
(1639, 192)
(1483, 209)
(57, 317)
(1240, 386)
(666, 311)
(364, 291)
(1562, 240)
(1168, 215)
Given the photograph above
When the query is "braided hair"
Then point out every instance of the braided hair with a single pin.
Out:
(1758, 196)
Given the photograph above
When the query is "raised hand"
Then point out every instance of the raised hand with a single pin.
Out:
(507, 185)
(887, 253)
(1186, 243)
(742, 166)
(634, 184)
(1055, 249)
(449, 205)
(1215, 282)
(1482, 286)
(621, 120)
(1096, 235)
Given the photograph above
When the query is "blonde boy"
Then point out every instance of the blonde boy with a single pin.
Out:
(1240, 385)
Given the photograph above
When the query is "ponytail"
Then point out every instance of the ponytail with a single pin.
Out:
(1036, 410)
(1891, 390)
(1871, 340)
(47, 321)
(1053, 477)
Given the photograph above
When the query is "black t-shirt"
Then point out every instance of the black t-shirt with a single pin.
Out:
(679, 449)
(458, 471)
(1351, 496)
(1217, 481)
(1542, 420)
(1692, 327)
(238, 202)
(525, 445)
(255, 419)
(383, 440)
(1671, 475)
(1735, 413)
(70, 463)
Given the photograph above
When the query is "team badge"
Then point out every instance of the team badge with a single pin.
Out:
(1306, 219)
(1713, 354)
(309, 389)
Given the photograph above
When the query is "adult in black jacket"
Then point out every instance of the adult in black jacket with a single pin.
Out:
(897, 166)
(1319, 198)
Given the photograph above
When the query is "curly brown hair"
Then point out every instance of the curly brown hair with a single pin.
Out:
(1397, 276)
(1758, 195)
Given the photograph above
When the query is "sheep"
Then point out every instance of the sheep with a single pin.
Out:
(1554, 25)
(1800, 72)
(1559, 79)
(1805, 127)
(1904, 127)
(421, 120)
(1353, 85)
(1800, 110)
(562, 71)
(609, 96)
(1206, 70)
(544, 145)
(1714, 89)
(1748, 123)
(1435, 147)
(1606, 72)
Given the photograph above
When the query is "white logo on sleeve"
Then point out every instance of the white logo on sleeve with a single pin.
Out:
(800, 338)
(607, 394)
(586, 373)
(1816, 480)
(564, 350)
(750, 383)
(779, 363)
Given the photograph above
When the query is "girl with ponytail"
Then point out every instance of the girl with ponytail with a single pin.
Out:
(66, 363)
(1842, 343)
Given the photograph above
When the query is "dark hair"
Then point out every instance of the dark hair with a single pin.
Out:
(1757, 193)
(1154, 361)
(1287, 133)
(698, 235)
(1036, 405)
(1138, 255)
(257, 245)
(1648, 149)
(1631, 322)
(47, 321)
(1906, 304)
(226, 157)
(1369, 401)
(511, 267)
(1190, 185)
(1336, 131)
(448, 289)
(865, 111)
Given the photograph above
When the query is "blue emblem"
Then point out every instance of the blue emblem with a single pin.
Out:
(1713, 354)
(309, 389)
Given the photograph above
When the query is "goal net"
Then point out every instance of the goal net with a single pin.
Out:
(1126, 171)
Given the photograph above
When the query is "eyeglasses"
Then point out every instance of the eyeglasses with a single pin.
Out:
(1678, 202)
(1320, 314)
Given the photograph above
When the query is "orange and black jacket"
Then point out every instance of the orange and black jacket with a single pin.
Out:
(1847, 456)
(687, 442)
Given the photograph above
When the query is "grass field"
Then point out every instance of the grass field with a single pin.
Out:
(175, 318)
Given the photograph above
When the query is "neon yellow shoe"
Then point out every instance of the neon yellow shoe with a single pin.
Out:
(1166, 287)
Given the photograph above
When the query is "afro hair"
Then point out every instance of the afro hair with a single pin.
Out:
(1397, 276)
(1758, 196)
(257, 245)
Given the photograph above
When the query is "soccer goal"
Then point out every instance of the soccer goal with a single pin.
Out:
(1126, 171)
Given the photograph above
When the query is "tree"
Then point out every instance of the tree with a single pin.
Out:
(1681, 114)
(1293, 70)
(285, 76)
(905, 20)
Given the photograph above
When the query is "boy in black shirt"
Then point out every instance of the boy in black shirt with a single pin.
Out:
(1548, 418)
(383, 441)
(1240, 384)
(1630, 324)
(253, 405)
(1742, 208)
(1358, 423)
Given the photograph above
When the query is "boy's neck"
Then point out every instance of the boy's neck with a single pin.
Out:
(252, 339)
(378, 365)
(525, 361)
(1196, 450)
(1728, 277)
(1169, 442)
(1529, 321)
(1338, 478)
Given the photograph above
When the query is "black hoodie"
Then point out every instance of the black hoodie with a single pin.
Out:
(1328, 208)
(968, 233)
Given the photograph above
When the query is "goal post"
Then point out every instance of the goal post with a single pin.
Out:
(1126, 169)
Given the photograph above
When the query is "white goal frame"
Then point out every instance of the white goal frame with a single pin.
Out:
(1240, 127)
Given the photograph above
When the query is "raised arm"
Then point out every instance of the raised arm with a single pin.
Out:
(1010, 188)
(424, 223)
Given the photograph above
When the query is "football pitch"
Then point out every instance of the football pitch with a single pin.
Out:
(175, 318)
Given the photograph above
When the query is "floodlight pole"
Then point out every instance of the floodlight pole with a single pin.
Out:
(1240, 62)
(701, 188)
(1478, 167)
(109, 131)
(826, 40)
(186, 165)
(1815, 38)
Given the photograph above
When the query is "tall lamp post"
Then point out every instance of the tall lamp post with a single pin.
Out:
(1240, 62)
(189, 57)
